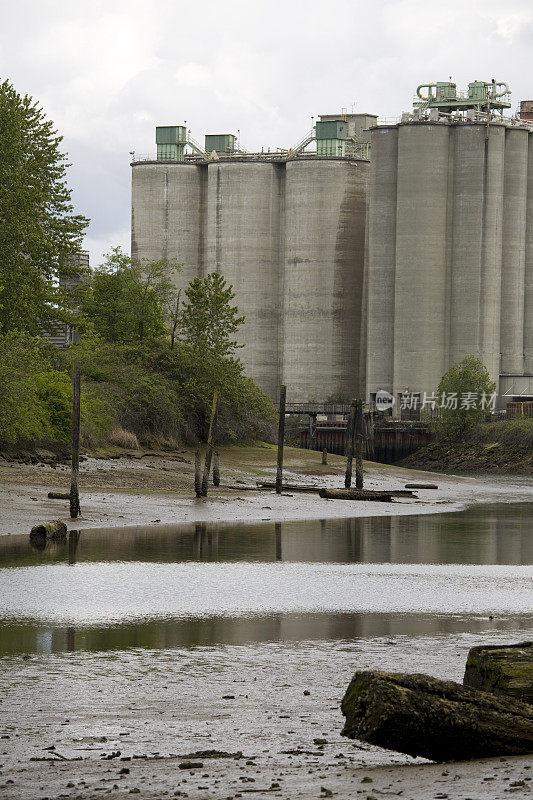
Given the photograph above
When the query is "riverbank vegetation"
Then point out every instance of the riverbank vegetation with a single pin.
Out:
(151, 357)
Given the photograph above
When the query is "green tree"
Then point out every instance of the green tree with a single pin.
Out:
(125, 301)
(466, 396)
(38, 229)
(208, 320)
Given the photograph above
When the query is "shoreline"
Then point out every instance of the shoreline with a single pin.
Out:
(139, 489)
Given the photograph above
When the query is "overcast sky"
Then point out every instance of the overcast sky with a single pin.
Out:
(107, 72)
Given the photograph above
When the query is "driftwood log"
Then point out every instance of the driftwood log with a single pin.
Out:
(502, 670)
(439, 720)
(59, 495)
(49, 530)
(355, 494)
(421, 486)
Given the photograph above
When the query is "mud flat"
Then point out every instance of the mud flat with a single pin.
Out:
(143, 487)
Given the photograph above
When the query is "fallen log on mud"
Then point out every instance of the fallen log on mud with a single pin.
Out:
(291, 487)
(356, 494)
(502, 670)
(49, 530)
(421, 486)
(58, 495)
(439, 720)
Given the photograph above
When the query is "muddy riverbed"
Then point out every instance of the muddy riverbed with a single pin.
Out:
(209, 660)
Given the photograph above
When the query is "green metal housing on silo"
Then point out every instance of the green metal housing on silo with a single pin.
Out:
(220, 143)
(170, 141)
(331, 137)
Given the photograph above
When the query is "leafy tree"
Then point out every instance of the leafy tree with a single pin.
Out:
(38, 229)
(465, 394)
(208, 320)
(125, 301)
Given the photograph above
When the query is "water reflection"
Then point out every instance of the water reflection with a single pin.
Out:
(31, 637)
(500, 534)
(160, 587)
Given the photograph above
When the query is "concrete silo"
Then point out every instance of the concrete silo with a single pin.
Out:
(514, 251)
(491, 266)
(325, 210)
(382, 259)
(528, 277)
(420, 313)
(243, 244)
(168, 214)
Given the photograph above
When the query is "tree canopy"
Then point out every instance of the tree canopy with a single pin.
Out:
(38, 229)
(125, 301)
(466, 394)
(208, 320)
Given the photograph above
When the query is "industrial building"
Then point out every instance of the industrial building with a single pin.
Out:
(368, 257)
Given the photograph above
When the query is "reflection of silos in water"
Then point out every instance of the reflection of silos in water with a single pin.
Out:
(168, 211)
(420, 356)
(514, 247)
(243, 244)
(325, 211)
(382, 259)
(528, 280)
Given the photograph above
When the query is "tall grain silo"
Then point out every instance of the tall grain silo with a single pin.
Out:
(382, 259)
(514, 251)
(477, 163)
(243, 244)
(168, 214)
(491, 268)
(420, 313)
(528, 277)
(325, 210)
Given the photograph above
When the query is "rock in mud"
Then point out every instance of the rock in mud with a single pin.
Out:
(439, 720)
(502, 670)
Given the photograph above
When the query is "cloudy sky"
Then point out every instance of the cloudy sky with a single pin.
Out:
(107, 72)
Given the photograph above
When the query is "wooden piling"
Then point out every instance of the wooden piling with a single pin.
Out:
(216, 469)
(75, 509)
(349, 445)
(198, 473)
(281, 437)
(210, 438)
(359, 430)
(325, 455)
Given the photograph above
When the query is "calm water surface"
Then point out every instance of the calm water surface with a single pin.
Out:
(166, 587)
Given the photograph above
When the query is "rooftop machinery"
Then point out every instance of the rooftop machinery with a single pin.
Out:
(336, 136)
(481, 96)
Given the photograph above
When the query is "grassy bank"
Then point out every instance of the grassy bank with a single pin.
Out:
(504, 447)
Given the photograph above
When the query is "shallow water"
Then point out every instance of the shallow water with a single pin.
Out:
(334, 580)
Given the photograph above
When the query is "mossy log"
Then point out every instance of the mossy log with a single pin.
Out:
(355, 494)
(49, 530)
(439, 720)
(502, 670)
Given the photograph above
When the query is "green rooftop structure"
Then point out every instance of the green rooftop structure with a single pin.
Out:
(220, 143)
(171, 141)
(330, 137)
(481, 96)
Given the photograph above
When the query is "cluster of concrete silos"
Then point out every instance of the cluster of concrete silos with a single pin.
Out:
(450, 259)
(288, 234)
(356, 276)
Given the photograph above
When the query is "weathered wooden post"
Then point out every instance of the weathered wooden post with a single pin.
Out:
(325, 455)
(359, 428)
(75, 509)
(281, 437)
(216, 469)
(198, 473)
(209, 451)
(349, 445)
